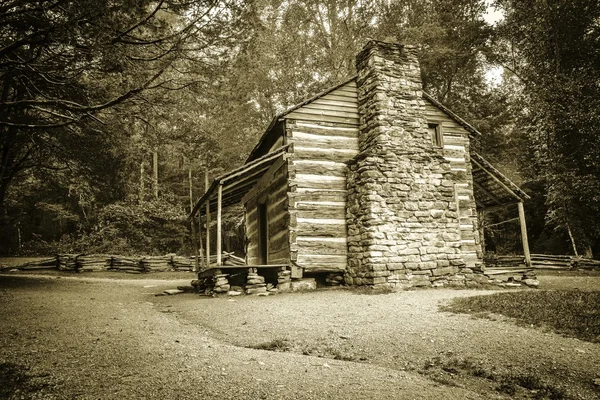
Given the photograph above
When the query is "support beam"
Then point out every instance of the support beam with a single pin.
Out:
(524, 238)
(219, 220)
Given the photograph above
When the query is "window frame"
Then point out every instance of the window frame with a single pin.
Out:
(437, 138)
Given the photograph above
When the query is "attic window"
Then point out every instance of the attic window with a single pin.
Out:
(435, 131)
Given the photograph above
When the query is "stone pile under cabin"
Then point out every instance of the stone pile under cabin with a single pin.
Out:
(372, 182)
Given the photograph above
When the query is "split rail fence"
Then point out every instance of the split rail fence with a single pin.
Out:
(135, 265)
(143, 264)
(543, 261)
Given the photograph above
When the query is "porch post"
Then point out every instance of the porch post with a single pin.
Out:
(200, 245)
(524, 238)
(195, 244)
(219, 212)
(208, 233)
(207, 204)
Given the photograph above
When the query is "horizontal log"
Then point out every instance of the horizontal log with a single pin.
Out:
(350, 90)
(326, 101)
(552, 256)
(297, 198)
(326, 143)
(329, 168)
(278, 225)
(324, 154)
(321, 106)
(341, 96)
(321, 247)
(280, 243)
(310, 228)
(303, 211)
(323, 118)
(277, 255)
(325, 130)
(551, 262)
(314, 267)
(283, 260)
(319, 182)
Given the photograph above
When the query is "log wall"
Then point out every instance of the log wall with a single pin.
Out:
(271, 190)
(324, 136)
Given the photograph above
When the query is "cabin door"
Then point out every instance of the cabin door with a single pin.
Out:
(263, 234)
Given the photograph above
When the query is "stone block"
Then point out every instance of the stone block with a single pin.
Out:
(411, 265)
(378, 280)
(436, 213)
(421, 283)
(426, 265)
(303, 284)
(222, 289)
(442, 263)
(445, 271)
(255, 281)
(257, 290)
(531, 282)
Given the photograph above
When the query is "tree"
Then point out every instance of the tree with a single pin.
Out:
(453, 40)
(65, 65)
(554, 48)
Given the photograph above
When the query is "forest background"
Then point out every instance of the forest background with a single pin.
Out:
(111, 112)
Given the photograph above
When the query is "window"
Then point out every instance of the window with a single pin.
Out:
(435, 132)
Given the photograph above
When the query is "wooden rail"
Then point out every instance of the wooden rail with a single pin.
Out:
(544, 261)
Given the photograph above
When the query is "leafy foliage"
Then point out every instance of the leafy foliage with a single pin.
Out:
(91, 94)
(554, 50)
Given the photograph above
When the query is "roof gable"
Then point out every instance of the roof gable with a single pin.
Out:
(341, 98)
(338, 104)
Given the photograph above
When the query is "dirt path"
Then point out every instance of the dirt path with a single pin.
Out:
(401, 332)
(106, 339)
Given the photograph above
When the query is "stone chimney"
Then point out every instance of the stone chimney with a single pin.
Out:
(403, 227)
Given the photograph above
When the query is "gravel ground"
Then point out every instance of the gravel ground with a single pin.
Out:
(88, 337)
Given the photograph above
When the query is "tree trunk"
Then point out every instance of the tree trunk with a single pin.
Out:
(191, 188)
(155, 173)
(572, 240)
(19, 236)
(142, 189)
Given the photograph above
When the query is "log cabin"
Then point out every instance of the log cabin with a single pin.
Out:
(372, 179)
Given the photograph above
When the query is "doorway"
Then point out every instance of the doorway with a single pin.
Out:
(263, 234)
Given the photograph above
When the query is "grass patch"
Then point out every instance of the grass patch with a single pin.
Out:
(572, 313)
(522, 384)
(274, 345)
(17, 382)
(512, 384)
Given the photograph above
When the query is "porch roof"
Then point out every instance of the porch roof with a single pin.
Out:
(236, 183)
(491, 188)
